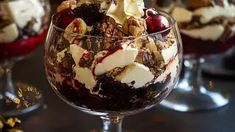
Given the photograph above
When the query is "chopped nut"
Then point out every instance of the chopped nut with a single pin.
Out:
(67, 4)
(1, 125)
(78, 27)
(134, 26)
(16, 100)
(111, 31)
(12, 121)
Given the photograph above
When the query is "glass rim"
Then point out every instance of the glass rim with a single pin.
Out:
(167, 15)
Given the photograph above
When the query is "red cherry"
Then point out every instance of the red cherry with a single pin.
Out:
(150, 12)
(64, 18)
(22, 46)
(156, 23)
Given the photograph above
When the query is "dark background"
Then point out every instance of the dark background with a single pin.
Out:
(56, 116)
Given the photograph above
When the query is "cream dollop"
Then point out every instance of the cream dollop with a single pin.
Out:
(209, 13)
(211, 32)
(123, 9)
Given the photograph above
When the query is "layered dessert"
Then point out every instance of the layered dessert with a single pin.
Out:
(207, 26)
(111, 55)
(23, 26)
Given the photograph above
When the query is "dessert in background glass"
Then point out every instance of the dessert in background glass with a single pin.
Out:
(112, 59)
(207, 27)
(23, 26)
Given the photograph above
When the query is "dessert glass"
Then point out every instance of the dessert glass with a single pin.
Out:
(203, 33)
(24, 25)
(110, 98)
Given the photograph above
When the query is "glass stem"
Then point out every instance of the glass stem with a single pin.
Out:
(6, 84)
(231, 52)
(193, 73)
(112, 123)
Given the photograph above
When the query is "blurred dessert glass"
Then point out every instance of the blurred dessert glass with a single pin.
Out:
(207, 27)
(23, 27)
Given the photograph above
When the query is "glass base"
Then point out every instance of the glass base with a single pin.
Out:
(101, 130)
(186, 100)
(217, 65)
(26, 99)
(192, 93)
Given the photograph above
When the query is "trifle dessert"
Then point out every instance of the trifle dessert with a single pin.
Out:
(206, 26)
(111, 55)
(23, 26)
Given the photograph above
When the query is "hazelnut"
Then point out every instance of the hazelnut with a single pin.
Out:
(134, 26)
(77, 26)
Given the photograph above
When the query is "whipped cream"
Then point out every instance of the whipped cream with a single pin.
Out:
(76, 52)
(120, 10)
(208, 13)
(23, 11)
(9, 33)
(210, 32)
(85, 76)
(136, 73)
(172, 69)
(60, 55)
(182, 14)
(120, 58)
(169, 53)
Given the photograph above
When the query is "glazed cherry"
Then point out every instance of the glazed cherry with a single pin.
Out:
(64, 18)
(156, 23)
(150, 12)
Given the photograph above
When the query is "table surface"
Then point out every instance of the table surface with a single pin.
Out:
(56, 116)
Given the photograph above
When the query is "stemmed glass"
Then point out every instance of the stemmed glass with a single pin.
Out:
(23, 26)
(72, 70)
(192, 93)
(200, 39)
